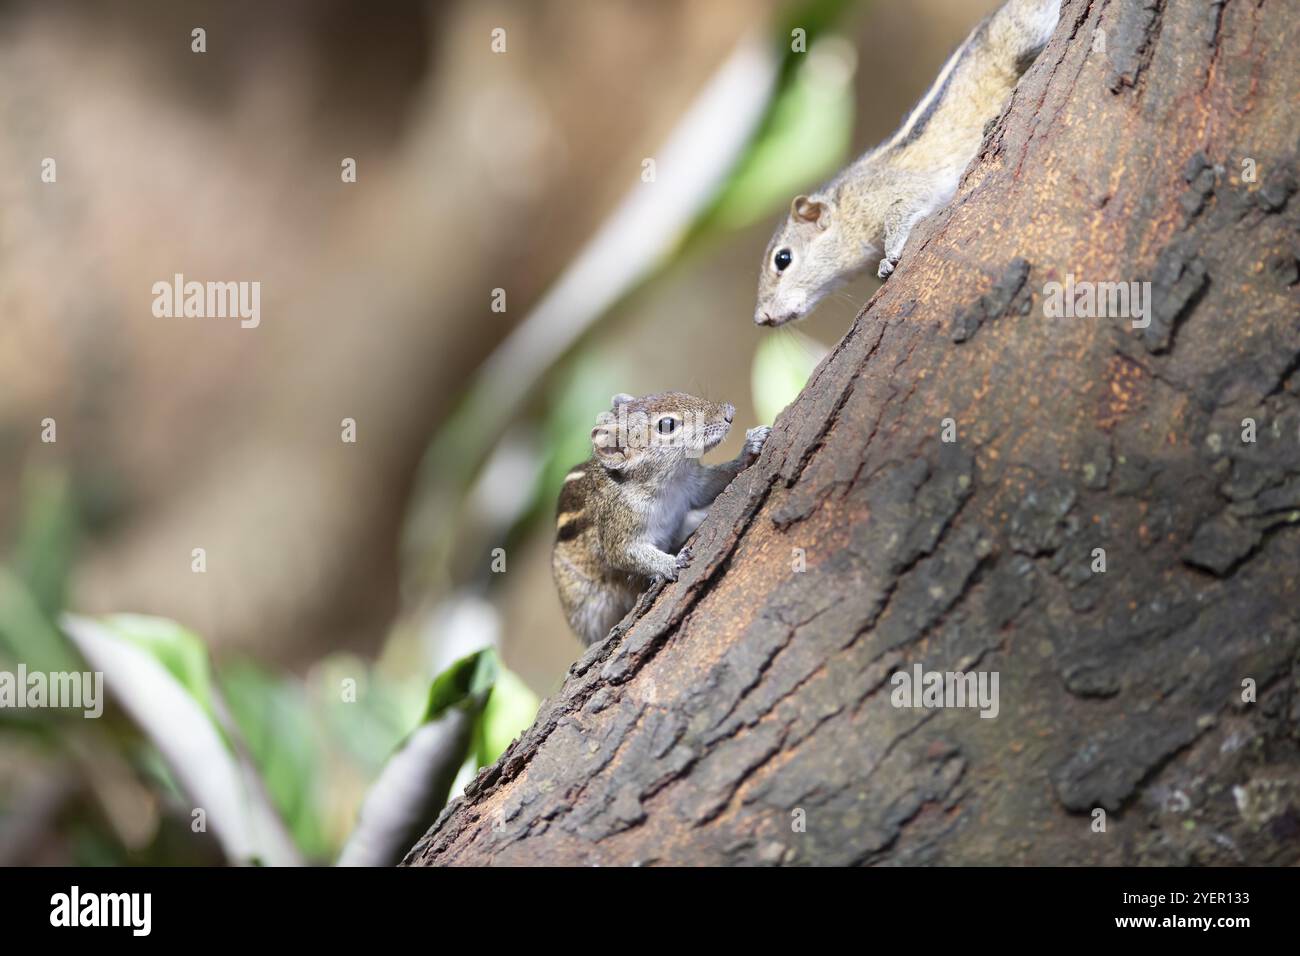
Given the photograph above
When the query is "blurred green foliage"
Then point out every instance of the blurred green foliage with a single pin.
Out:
(179, 650)
(27, 633)
(276, 722)
(807, 131)
(47, 537)
(782, 366)
(510, 710)
(32, 593)
(295, 733)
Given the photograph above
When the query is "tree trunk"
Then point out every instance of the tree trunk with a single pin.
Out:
(749, 714)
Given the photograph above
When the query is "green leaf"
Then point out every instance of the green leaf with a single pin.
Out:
(511, 709)
(176, 648)
(467, 682)
(47, 537)
(26, 634)
(151, 669)
(275, 721)
(782, 366)
(417, 779)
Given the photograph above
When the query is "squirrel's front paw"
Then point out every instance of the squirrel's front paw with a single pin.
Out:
(683, 560)
(754, 439)
(887, 266)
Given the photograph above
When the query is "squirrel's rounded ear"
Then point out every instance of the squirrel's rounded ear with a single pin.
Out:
(622, 398)
(810, 210)
(604, 441)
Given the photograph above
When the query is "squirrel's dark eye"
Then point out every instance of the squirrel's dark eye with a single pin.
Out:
(782, 260)
(667, 425)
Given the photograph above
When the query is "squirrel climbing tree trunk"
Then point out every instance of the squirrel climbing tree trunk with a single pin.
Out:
(1112, 527)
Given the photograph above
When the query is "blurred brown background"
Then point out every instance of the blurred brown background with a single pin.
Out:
(475, 171)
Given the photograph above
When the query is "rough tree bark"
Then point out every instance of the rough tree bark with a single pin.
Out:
(749, 691)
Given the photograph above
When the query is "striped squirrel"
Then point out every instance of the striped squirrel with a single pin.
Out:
(625, 513)
(841, 229)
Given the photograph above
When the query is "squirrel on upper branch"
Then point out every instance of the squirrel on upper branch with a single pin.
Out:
(863, 216)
